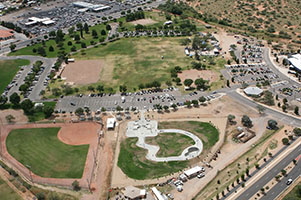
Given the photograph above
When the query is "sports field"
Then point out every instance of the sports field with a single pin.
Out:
(7, 193)
(171, 144)
(47, 156)
(8, 69)
(134, 61)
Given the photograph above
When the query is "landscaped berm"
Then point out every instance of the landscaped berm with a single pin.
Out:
(132, 159)
(42, 151)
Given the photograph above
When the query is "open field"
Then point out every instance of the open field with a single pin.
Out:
(171, 144)
(134, 61)
(47, 156)
(83, 72)
(132, 160)
(295, 194)
(7, 193)
(134, 164)
(8, 69)
(271, 19)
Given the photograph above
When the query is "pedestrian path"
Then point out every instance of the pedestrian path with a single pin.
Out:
(143, 128)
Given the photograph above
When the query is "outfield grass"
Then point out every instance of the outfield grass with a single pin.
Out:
(131, 61)
(7, 193)
(133, 163)
(8, 69)
(171, 144)
(295, 194)
(204, 130)
(46, 154)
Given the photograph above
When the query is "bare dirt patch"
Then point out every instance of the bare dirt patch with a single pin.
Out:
(194, 74)
(17, 114)
(83, 72)
(143, 22)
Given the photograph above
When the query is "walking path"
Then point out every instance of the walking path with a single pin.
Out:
(144, 128)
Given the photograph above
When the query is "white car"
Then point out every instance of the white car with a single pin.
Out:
(289, 181)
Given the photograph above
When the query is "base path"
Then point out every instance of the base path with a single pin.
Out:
(73, 134)
(144, 128)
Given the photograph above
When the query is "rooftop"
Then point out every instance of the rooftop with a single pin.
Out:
(253, 91)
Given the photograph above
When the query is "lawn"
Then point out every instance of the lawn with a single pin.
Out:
(132, 61)
(46, 154)
(204, 130)
(87, 39)
(8, 69)
(133, 163)
(7, 193)
(37, 116)
(171, 144)
(295, 194)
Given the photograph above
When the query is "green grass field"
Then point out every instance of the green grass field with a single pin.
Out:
(8, 69)
(46, 154)
(132, 61)
(133, 163)
(204, 130)
(7, 193)
(132, 159)
(295, 194)
(171, 144)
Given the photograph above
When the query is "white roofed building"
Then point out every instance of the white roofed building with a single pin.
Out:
(253, 91)
(111, 123)
(190, 173)
(134, 193)
(295, 62)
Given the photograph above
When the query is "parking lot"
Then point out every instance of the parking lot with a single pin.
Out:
(66, 15)
(146, 99)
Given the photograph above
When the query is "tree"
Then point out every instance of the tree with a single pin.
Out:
(297, 131)
(15, 99)
(41, 51)
(118, 108)
(195, 103)
(79, 27)
(228, 83)
(108, 27)
(231, 118)
(284, 108)
(76, 186)
(122, 88)
(77, 38)
(27, 106)
(86, 28)
(51, 49)
(9, 118)
(94, 33)
(166, 108)
(247, 172)
(103, 32)
(3, 100)
(285, 141)
(273, 124)
(202, 99)
(83, 45)
(188, 82)
(48, 110)
(12, 47)
(40, 196)
(283, 172)
(174, 106)
(242, 177)
(296, 111)
(246, 121)
(79, 111)
(100, 88)
(257, 166)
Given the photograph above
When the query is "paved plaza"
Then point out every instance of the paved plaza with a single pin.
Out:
(143, 128)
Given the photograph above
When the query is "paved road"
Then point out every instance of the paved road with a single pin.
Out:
(281, 186)
(271, 174)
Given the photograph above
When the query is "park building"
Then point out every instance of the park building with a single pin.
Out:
(253, 91)
(295, 62)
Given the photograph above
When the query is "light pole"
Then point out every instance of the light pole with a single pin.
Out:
(29, 169)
